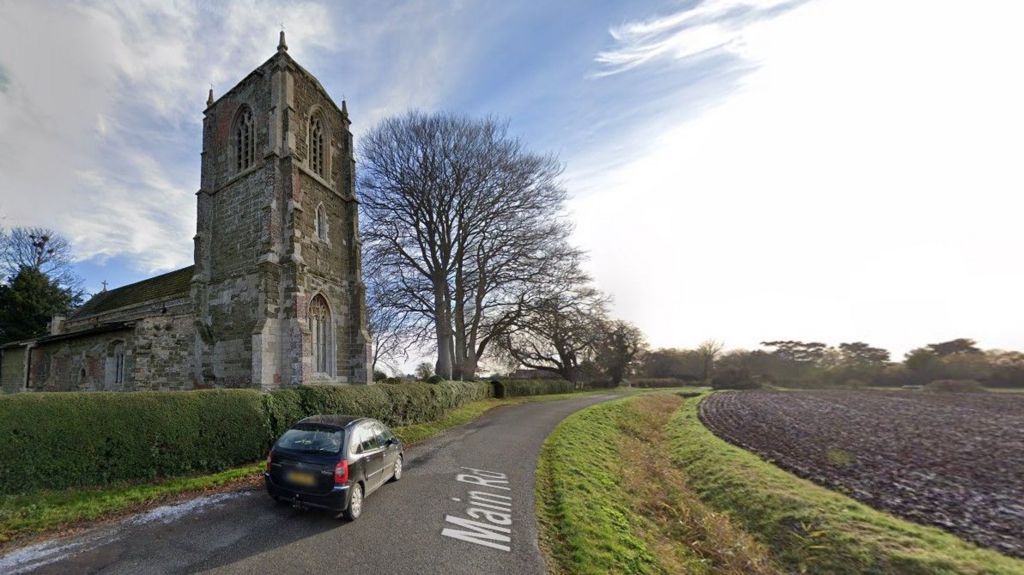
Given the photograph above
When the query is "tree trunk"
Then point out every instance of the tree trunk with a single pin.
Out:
(460, 352)
(469, 365)
(443, 327)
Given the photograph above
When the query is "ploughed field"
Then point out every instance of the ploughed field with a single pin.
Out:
(951, 460)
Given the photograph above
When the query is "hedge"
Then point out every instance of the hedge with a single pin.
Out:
(518, 387)
(69, 439)
(395, 405)
(73, 439)
(955, 386)
(662, 382)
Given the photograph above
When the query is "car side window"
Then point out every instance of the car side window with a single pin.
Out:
(382, 435)
(357, 440)
(369, 439)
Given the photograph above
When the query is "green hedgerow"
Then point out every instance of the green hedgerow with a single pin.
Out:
(77, 439)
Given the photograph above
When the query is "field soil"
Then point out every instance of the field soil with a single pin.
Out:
(955, 461)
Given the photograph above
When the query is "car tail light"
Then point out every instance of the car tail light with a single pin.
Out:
(341, 472)
(269, 459)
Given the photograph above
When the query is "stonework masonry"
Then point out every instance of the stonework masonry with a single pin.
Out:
(240, 317)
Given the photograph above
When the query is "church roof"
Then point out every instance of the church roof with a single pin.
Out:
(163, 286)
(105, 328)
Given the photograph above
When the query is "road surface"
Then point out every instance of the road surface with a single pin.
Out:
(464, 505)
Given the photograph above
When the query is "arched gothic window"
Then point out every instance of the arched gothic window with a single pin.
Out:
(321, 223)
(119, 363)
(316, 145)
(116, 365)
(322, 331)
(245, 140)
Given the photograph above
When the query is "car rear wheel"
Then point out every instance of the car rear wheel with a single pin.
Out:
(396, 473)
(355, 506)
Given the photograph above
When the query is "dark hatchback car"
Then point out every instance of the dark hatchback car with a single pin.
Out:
(333, 462)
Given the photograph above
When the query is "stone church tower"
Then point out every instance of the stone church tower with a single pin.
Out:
(275, 298)
(277, 289)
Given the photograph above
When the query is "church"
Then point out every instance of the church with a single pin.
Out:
(275, 297)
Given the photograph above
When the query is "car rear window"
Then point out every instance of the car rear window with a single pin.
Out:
(313, 440)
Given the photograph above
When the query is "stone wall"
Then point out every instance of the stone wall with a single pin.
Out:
(330, 266)
(83, 363)
(162, 355)
(157, 356)
(233, 227)
(237, 214)
(226, 340)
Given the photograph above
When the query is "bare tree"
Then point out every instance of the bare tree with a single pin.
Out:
(391, 334)
(708, 351)
(40, 249)
(557, 330)
(464, 222)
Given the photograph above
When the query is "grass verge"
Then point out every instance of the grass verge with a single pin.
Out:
(47, 511)
(810, 529)
(609, 500)
(25, 515)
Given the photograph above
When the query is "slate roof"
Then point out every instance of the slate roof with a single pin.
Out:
(105, 328)
(163, 286)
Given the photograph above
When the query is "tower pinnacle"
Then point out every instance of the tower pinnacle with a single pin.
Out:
(281, 45)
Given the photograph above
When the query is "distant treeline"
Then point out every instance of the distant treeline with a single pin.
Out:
(811, 364)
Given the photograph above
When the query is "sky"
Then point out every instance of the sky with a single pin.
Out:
(828, 170)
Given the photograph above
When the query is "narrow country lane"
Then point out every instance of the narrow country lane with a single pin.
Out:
(450, 513)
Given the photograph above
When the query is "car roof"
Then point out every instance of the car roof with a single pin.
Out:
(340, 421)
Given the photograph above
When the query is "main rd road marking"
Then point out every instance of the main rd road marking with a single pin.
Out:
(490, 512)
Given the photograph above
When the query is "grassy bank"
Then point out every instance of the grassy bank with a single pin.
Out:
(44, 511)
(639, 485)
(808, 528)
(609, 501)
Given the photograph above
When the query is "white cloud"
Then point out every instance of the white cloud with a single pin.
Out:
(863, 183)
(853, 176)
(689, 32)
(101, 103)
(104, 101)
(139, 220)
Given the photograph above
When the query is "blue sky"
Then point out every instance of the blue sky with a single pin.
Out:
(746, 170)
